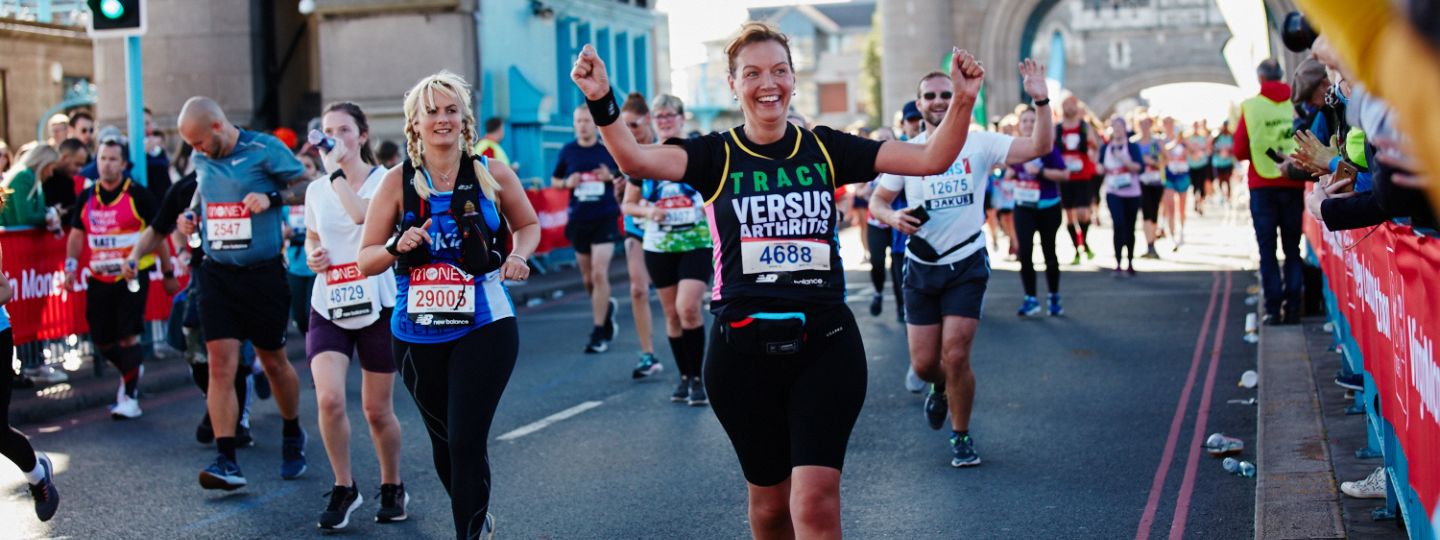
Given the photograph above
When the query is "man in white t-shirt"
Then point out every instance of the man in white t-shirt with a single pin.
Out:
(947, 267)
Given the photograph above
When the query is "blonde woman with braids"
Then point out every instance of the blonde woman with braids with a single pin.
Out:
(440, 219)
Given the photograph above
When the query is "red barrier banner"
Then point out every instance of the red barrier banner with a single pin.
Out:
(41, 307)
(1386, 285)
(552, 206)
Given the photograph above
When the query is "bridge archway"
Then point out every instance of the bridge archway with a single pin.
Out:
(1103, 103)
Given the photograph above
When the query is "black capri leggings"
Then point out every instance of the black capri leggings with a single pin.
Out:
(13, 445)
(1045, 221)
(1150, 197)
(783, 412)
(457, 386)
(879, 240)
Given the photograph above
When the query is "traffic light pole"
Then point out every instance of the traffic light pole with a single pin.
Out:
(135, 109)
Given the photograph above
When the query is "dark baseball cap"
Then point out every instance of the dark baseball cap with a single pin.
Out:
(911, 111)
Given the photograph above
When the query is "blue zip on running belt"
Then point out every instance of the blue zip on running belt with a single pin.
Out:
(767, 316)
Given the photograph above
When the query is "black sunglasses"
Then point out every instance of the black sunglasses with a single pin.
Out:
(943, 95)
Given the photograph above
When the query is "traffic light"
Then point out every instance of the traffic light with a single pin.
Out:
(114, 18)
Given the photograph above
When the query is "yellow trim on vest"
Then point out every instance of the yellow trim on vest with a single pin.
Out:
(724, 173)
(828, 161)
(798, 135)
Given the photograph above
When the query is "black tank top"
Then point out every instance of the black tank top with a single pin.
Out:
(774, 225)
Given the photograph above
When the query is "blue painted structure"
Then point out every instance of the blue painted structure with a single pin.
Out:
(530, 85)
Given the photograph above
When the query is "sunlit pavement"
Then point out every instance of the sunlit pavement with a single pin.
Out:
(1074, 418)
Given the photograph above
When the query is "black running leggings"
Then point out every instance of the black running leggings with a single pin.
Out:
(1046, 221)
(782, 412)
(879, 239)
(457, 386)
(13, 445)
(1122, 213)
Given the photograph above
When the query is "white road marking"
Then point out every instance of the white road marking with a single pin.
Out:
(548, 420)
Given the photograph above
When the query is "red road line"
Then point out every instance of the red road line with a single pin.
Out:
(1157, 485)
(1187, 487)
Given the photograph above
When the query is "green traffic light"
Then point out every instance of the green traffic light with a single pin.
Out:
(112, 9)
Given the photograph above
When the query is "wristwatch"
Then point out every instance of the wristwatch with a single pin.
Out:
(392, 245)
(338, 174)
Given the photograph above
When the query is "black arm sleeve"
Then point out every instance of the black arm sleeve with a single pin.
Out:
(1362, 210)
(177, 200)
(853, 156)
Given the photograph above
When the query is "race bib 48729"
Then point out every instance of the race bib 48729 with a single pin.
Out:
(348, 293)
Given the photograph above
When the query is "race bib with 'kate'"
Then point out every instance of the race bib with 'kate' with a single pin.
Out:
(441, 295)
(348, 293)
(227, 226)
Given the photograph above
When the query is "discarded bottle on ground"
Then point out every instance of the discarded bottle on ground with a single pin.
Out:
(1237, 467)
(1218, 444)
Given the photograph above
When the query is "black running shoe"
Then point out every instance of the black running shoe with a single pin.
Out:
(343, 501)
(682, 392)
(877, 305)
(205, 433)
(611, 329)
(1353, 381)
(598, 343)
(243, 438)
(47, 498)
(393, 500)
(936, 408)
(697, 393)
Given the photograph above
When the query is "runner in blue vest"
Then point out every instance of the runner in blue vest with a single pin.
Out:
(442, 220)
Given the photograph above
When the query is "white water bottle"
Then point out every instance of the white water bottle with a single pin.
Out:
(194, 240)
(133, 284)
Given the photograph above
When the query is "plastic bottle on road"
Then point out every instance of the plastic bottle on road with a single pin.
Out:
(1218, 444)
(1237, 467)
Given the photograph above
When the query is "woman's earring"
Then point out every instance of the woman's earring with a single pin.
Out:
(794, 93)
(734, 97)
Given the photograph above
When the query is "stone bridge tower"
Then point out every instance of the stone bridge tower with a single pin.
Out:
(1112, 49)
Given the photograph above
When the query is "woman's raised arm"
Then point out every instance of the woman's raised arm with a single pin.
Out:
(661, 162)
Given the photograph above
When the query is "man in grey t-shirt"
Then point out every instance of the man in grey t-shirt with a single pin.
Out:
(244, 294)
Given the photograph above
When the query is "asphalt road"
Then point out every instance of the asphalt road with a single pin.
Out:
(1076, 420)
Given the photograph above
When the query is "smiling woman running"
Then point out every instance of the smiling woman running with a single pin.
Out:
(440, 218)
(786, 366)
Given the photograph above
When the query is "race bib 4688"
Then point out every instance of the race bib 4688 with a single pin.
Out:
(762, 255)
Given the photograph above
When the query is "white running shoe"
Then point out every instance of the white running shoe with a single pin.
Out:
(1372, 487)
(126, 408)
(45, 375)
(913, 382)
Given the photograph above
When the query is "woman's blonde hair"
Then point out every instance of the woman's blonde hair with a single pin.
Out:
(421, 98)
(35, 158)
